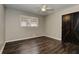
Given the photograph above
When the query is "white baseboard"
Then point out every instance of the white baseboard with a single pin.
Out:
(54, 38)
(32, 37)
(21, 39)
(2, 48)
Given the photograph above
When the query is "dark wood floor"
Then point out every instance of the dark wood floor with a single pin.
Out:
(40, 45)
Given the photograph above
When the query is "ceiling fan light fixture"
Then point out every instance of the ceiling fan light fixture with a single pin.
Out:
(43, 9)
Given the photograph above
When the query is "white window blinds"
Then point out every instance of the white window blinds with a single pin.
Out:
(27, 21)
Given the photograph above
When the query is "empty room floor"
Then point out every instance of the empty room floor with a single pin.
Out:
(39, 45)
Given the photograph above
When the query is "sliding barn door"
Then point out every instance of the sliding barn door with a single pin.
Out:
(66, 27)
(75, 29)
(70, 28)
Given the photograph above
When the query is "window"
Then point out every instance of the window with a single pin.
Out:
(27, 21)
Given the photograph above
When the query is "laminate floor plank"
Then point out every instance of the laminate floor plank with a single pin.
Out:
(40, 45)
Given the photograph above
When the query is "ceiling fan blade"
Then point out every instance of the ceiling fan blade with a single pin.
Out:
(45, 8)
(50, 9)
(47, 11)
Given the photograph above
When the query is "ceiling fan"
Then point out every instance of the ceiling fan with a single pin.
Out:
(45, 8)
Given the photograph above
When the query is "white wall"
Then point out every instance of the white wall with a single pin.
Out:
(2, 25)
(15, 32)
(54, 22)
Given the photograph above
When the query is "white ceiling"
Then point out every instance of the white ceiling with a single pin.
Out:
(35, 8)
